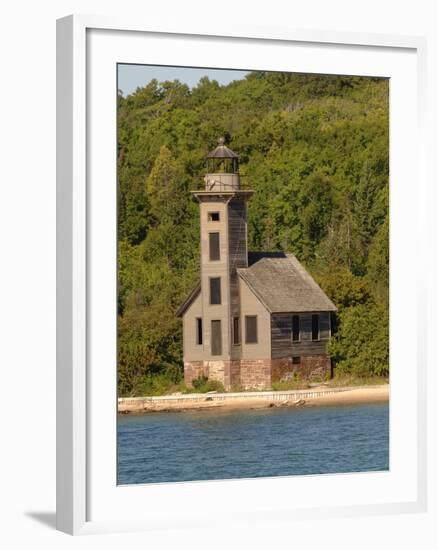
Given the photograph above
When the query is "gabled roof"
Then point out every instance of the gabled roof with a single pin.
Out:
(192, 296)
(282, 284)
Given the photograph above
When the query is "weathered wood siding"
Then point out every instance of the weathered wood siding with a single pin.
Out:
(324, 326)
(238, 255)
(281, 335)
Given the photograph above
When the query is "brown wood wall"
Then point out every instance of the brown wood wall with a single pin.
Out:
(281, 335)
(238, 254)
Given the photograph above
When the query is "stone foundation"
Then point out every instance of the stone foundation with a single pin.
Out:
(315, 367)
(232, 375)
(216, 370)
(311, 367)
(258, 373)
(194, 370)
(282, 369)
(226, 372)
(255, 374)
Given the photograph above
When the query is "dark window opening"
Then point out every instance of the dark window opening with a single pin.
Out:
(236, 331)
(296, 360)
(215, 290)
(251, 329)
(214, 246)
(213, 216)
(199, 331)
(315, 327)
(216, 338)
(295, 328)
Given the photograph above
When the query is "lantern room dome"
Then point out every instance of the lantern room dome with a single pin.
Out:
(222, 151)
(222, 160)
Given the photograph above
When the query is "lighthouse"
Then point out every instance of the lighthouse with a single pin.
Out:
(241, 321)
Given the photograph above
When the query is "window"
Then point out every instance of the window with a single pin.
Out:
(214, 246)
(236, 331)
(296, 360)
(216, 338)
(198, 331)
(213, 216)
(295, 328)
(215, 290)
(251, 329)
(315, 327)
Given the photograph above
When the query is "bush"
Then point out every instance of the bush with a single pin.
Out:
(156, 380)
(204, 385)
(294, 384)
(361, 346)
(342, 380)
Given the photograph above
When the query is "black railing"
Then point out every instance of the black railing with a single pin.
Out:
(223, 186)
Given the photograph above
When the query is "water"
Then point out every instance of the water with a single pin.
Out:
(162, 447)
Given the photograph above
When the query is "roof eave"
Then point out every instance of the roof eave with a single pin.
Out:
(317, 310)
(188, 301)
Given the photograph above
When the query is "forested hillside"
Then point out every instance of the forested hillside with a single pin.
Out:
(315, 151)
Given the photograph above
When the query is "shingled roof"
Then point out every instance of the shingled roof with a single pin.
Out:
(282, 284)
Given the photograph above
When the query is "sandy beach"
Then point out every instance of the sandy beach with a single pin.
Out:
(318, 396)
(354, 395)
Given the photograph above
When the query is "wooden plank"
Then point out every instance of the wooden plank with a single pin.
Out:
(306, 326)
(238, 255)
(214, 247)
(324, 325)
(281, 336)
(216, 338)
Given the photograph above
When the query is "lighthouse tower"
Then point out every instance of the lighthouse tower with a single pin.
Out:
(223, 229)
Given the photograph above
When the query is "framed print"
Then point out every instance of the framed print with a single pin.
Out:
(239, 275)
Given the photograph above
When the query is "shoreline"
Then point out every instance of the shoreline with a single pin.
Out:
(318, 396)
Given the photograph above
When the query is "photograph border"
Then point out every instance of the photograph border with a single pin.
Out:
(72, 231)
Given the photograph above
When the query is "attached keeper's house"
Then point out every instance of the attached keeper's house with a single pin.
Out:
(253, 318)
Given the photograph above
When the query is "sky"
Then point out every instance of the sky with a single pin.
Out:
(132, 76)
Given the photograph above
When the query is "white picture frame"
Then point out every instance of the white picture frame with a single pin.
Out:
(82, 304)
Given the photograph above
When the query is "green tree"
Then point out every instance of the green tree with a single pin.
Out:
(342, 287)
(317, 211)
(361, 345)
(166, 190)
(378, 264)
(314, 148)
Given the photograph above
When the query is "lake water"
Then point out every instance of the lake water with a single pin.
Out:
(188, 446)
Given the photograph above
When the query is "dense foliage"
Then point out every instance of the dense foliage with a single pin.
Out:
(314, 149)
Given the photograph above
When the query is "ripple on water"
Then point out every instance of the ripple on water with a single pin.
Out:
(166, 447)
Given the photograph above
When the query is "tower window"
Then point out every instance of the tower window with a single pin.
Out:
(216, 338)
(198, 331)
(236, 331)
(295, 328)
(213, 216)
(215, 290)
(315, 327)
(251, 329)
(296, 360)
(214, 249)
